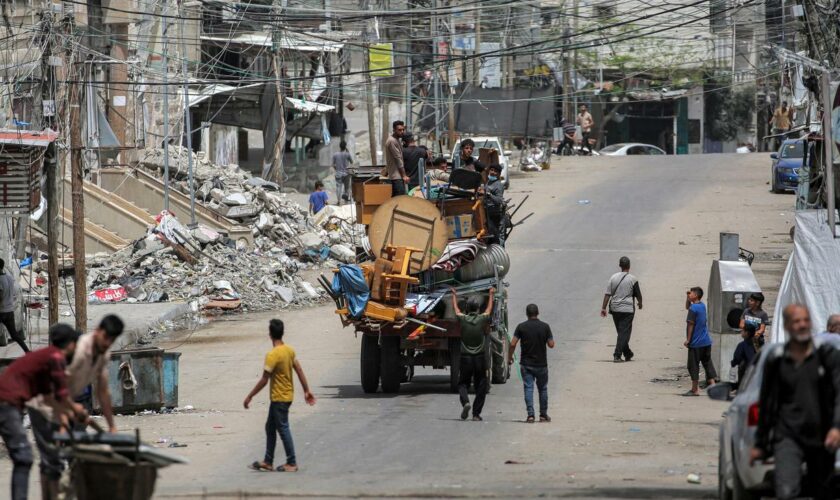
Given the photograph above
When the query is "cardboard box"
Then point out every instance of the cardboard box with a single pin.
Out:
(459, 226)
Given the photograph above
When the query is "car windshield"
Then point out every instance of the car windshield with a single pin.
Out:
(480, 144)
(612, 149)
(793, 149)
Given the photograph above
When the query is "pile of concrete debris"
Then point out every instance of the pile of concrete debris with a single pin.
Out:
(173, 262)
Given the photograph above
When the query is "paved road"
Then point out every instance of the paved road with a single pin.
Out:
(615, 433)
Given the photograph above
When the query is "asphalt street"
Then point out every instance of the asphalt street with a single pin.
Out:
(619, 430)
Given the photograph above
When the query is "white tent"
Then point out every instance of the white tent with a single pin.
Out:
(812, 276)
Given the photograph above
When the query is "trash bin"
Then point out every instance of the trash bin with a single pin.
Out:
(143, 379)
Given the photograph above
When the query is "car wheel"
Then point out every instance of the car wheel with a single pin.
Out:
(724, 493)
(773, 186)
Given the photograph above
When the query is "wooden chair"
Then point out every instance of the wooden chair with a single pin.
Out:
(395, 283)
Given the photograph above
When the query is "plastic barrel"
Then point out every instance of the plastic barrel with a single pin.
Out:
(484, 265)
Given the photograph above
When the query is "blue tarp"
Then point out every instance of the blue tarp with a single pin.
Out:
(350, 282)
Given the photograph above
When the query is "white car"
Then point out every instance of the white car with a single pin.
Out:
(487, 142)
(737, 479)
(631, 148)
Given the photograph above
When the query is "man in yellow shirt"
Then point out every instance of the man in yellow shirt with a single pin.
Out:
(279, 363)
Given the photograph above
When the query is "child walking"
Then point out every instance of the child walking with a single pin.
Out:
(279, 363)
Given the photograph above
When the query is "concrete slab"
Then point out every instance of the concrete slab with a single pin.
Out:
(139, 320)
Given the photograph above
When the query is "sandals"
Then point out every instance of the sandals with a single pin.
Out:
(287, 468)
(545, 418)
(691, 394)
(529, 420)
(262, 467)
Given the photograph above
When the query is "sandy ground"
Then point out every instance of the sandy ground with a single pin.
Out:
(619, 430)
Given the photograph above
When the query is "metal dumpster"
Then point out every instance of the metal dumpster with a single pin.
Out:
(143, 379)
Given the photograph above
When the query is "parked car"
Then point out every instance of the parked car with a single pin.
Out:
(737, 479)
(786, 164)
(488, 142)
(631, 148)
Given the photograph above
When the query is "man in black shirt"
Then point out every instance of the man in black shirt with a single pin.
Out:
(533, 364)
(799, 410)
(412, 154)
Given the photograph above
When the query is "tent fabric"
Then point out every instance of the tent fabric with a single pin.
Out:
(812, 272)
(350, 282)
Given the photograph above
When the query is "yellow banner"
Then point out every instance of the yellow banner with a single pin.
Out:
(381, 59)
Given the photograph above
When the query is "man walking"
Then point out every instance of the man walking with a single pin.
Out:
(395, 167)
(474, 329)
(623, 293)
(799, 410)
(8, 300)
(88, 367)
(341, 162)
(37, 373)
(277, 369)
(698, 341)
(584, 119)
(535, 335)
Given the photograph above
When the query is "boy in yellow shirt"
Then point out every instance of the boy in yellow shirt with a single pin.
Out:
(279, 363)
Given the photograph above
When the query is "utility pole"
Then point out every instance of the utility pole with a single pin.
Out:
(369, 91)
(830, 200)
(575, 63)
(436, 71)
(187, 116)
(52, 170)
(477, 49)
(451, 90)
(165, 106)
(77, 179)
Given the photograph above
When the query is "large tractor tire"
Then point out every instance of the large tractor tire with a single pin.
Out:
(499, 367)
(391, 370)
(370, 360)
(454, 363)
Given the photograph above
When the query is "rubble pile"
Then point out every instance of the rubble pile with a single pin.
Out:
(258, 203)
(176, 263)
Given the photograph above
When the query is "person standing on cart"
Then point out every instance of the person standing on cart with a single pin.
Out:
(474, 329)
(494, 201)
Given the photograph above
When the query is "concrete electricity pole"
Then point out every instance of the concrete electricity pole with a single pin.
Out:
(53, 175)
(449, 78)
(369, 96)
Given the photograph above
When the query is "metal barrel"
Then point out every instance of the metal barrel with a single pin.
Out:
(484, 265)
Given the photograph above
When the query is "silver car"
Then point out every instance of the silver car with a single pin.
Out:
(737, 479)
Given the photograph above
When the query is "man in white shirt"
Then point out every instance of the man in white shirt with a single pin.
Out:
(622, 294)
(88, 367)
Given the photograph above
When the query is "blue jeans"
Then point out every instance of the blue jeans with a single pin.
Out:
(278, 423)
(14, 435)
(540, 375)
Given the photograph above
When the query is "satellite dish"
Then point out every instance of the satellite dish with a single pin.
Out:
(618, 118)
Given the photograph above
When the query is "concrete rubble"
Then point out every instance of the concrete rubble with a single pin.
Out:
(214, 271)
(179, 263)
